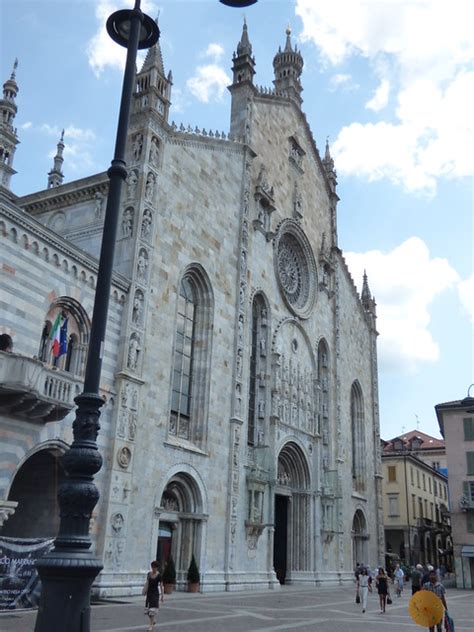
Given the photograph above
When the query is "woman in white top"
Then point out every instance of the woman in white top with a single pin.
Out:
(363, 587)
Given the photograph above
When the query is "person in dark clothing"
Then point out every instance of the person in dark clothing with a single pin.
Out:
(416, 577)
(6, 343)
(381, 581)
(152, 589)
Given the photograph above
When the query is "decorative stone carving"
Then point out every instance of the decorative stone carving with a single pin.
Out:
(134, 349)
(122, 423)
(132, 182)
(147, 223)
(117, 521)
(295, 269)
(297, 203)
(137, 311)
(154, 151)
(127, 222)
(137, 146)
(132, 426)
(98, 205)
(124, 456)
(150, 186)
(142, 266)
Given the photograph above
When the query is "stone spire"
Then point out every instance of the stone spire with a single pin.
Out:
(328, 164)
(288, 66)
(56, 176)
(153, 86)
(368, 301)
(243, 66)
(8, 137)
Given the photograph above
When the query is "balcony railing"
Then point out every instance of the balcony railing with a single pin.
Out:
(31, 390)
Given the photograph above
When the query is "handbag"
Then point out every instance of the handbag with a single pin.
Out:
(389, 600)
(357, 597)
(448, 622)
(145, 587)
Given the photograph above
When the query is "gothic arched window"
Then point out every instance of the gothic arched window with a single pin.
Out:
(358, 438)
(191, 361)
(65, 336)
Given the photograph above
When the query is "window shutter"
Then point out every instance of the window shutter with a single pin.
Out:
(470, 521)
(470, 463)
(468, 429)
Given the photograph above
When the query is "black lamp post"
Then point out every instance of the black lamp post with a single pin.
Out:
(68, 571)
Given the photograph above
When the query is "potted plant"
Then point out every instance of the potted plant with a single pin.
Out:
(193, 576)
(169, 576)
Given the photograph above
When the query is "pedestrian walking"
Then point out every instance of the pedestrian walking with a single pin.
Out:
(435, 586)
(381, 582)
(363, 587)
(153, 590)
(416, 578)
(398, 579)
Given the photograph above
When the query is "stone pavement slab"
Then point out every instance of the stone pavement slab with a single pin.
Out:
(283, 610)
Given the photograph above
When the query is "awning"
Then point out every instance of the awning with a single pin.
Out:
(467, 551)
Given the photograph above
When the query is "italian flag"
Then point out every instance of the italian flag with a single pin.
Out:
(55, 336)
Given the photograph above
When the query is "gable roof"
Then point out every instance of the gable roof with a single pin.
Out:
(427, 442)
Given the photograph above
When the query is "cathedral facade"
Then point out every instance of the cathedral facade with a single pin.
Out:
(240, 422)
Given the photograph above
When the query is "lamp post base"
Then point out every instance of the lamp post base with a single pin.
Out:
(66, 581)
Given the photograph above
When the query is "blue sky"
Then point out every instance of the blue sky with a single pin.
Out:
(392, 85)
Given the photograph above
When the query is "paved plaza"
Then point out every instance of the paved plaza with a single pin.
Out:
(302, 609)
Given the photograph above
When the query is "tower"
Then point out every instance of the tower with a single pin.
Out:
(242, 88)
(153, 91)
(331, 175)
(56, 176)
(8, 138)
(288, 65)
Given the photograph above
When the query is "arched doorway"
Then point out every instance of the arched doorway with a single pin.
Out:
(180, 526)
(292, 541)
(359, 539)
(35, 489)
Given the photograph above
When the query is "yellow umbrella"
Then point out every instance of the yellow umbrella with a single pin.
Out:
(426, 608)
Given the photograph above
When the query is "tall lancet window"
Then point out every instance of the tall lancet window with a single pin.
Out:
(183, 359)
(258, 358)
(192, 356)
(358, 438)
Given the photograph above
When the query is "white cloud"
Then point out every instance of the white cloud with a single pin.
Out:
(424, 50)
(78, 146)
(101, 50)
(380, 98)
(215, 51)
(404, 281)
(27, 125)
(210, 80)
(343, 81)
(466, 296)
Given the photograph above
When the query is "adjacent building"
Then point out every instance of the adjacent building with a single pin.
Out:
(241, 418)
(415, 500)
(456, 422)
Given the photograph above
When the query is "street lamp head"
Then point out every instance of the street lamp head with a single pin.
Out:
(118, 27)
(238, 4)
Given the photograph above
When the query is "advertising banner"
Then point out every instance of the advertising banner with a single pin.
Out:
(19, 582)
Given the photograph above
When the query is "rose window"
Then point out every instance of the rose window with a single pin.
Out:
(296, 271)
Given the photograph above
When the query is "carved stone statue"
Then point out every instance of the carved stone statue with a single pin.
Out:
(99, 203)
(137, 308)
(142, 265)
(150, 186)
(137, 146)
(127, 222)
(132, 182)
(154, 151)
(133, 351)
(147, 222)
